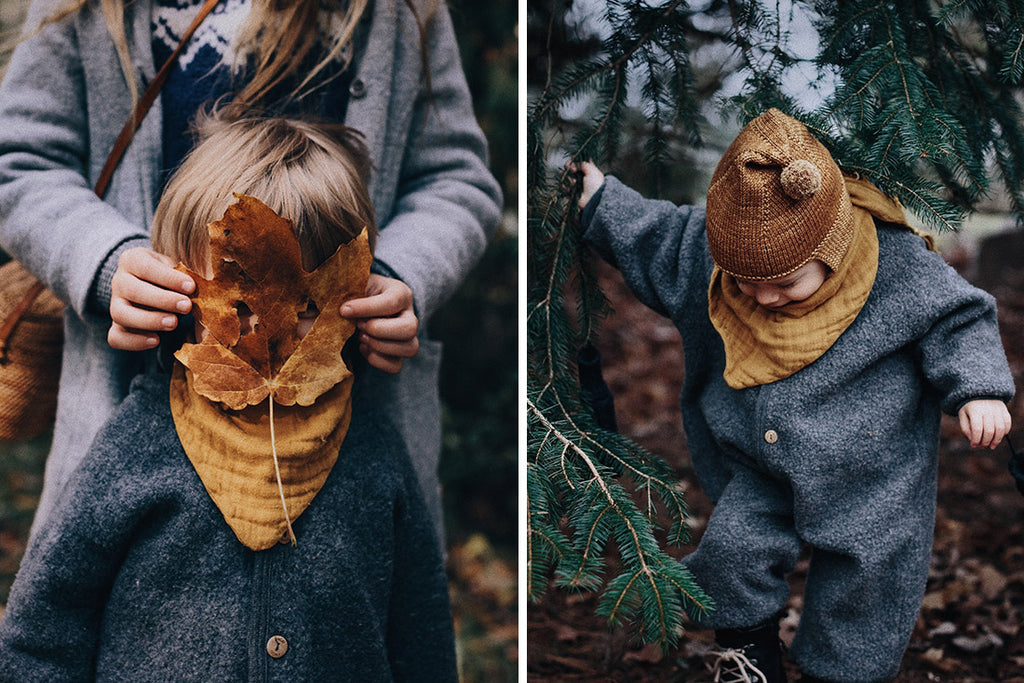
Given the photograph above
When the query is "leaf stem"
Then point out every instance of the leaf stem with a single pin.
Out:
(277, 471)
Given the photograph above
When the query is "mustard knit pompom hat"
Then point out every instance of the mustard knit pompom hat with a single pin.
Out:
(777, 200)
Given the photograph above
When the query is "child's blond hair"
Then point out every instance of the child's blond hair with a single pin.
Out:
(311, 174)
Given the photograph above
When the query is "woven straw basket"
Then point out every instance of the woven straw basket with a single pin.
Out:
(30, 357)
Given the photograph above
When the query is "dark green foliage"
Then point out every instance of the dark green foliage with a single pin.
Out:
(584, 482)
(487, 41)
(922, 98)
(927, 102)
(928, 99)
(478, 387)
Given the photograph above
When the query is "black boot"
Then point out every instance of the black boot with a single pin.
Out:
(759, 646)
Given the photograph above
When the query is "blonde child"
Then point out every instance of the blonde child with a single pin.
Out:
(198, 541)
(822, 341)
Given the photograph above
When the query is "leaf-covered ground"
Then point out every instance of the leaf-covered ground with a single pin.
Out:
(970, 626)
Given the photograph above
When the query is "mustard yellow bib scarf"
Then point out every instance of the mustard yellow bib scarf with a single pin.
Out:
(231, 452)
(764, 345)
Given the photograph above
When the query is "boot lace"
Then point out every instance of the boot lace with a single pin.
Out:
(733, 666)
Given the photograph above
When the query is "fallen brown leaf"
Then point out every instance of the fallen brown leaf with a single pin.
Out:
(239, 367)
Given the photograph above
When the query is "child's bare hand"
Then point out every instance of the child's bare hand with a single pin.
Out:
(146, 293)
(386, 321)
(593, 179)
(985, 422)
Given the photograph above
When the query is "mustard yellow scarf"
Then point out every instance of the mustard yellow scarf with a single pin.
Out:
(763, 345)
(231, 452)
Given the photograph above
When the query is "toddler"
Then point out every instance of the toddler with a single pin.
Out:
(822, 339)
(230, 538)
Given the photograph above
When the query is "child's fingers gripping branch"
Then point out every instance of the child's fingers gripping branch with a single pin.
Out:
(146, 294)
(593, 179)
(387, 323)
(984, 422)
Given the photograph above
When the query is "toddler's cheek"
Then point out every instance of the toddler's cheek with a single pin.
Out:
(305, 325)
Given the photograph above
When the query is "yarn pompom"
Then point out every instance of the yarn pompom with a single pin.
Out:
(800, 179)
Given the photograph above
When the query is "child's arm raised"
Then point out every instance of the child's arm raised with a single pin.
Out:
(593, 179)
(659, 247)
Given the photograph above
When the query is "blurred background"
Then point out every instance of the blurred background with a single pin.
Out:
(478, 327)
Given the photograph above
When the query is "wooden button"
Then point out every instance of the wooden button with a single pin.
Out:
(771, 436)
(277, 646)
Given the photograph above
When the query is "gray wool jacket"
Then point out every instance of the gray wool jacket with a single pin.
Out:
(62, 104)
(925, 341)
(135, 576)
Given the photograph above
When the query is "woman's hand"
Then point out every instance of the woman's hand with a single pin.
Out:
(386, 322)
(146, 294)
(985, 422)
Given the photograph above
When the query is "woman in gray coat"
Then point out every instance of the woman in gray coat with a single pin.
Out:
(387, 68)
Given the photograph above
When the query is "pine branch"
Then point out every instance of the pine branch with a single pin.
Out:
(602, 508)
(581, 464)
(547, 547)
(577, 79)
(910, 99)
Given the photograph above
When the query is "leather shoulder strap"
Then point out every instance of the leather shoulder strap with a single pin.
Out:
(145, 102)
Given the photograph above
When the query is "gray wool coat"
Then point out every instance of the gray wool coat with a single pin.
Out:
(841, 456)
(63, 102)
(135, 576)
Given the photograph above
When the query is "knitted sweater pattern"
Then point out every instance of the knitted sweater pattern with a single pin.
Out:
(202, 74)
(136, 576)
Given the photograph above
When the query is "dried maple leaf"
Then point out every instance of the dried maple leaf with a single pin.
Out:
(257, 265)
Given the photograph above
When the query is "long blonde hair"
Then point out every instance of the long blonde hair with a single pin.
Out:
(280, 34)
(312, 174)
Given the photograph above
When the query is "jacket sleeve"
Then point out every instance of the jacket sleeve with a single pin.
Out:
(960, 351)
(50, 218)
(447, 202)
(51, 627)
(660, 248)
(962, 355)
